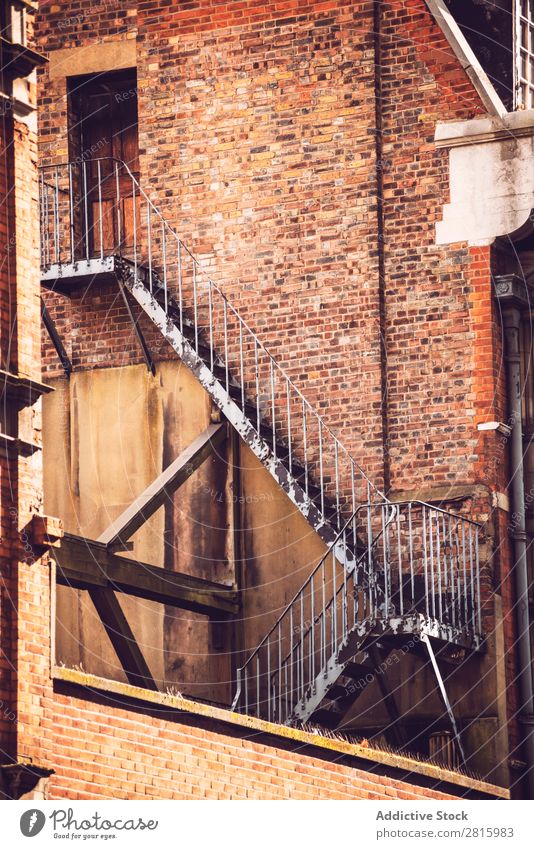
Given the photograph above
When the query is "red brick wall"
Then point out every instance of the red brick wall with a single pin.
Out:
(134, 755)
(266, 142)
(20, 350)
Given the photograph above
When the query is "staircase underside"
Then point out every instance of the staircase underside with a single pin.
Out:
(418, 624)
(332, 697)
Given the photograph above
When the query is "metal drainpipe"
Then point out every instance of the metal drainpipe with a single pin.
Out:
(512, 295)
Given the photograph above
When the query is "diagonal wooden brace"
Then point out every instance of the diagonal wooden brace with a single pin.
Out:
(120, 531)
(122, 638)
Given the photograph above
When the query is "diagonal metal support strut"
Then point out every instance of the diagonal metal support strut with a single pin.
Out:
(56, 339)
(443, 692)
(140, 338)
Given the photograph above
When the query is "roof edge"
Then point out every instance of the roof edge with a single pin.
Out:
(467, 58)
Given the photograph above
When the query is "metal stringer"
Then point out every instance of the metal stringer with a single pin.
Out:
(140, 338)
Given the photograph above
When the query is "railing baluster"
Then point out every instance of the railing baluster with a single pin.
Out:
(43, 220)
(164, 245)
(290, 456)
(466, 584)
(71, 215)
(323, 615)
(344, 607)
(286, 695)
(257, 384)
(305, 439)
(149, 228)
(447, 586)
(134, 216)
(370, 570)
(399, 560)
(312, 626)
(57, 231)
(302, 686)
(100, 209)
(455, 591)
(336, 466)
(438, 559)
(241, 364)
(180, 292)
(321, 478)
(425, 556)
(334, 588)
(387, 564)
(195, 310)
(210, 310)
(432, 575)
(352, 488)
(410, 554)
(86, 208)
(273, 406)
(225, 317)
(119, 222)
(477, 580)
(297, 670)
(291, 649)
(472, 579)
(279, 672)
(268, 682)
(258, 711)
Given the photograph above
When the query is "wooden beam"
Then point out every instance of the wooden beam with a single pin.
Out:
(163, 486)
(122, 638)
(86, 564)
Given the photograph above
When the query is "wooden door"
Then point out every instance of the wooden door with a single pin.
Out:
(109, 138)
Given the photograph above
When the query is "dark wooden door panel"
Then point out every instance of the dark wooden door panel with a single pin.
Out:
(109, 137)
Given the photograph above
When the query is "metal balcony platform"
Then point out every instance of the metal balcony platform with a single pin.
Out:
(66, 277)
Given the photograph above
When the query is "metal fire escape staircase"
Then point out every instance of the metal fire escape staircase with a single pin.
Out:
(392, 571)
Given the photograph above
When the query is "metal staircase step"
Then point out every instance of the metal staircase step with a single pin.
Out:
(328, 717)
(356, 671)
(337, 692)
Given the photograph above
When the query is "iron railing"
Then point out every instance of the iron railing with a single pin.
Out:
(417, 571)
(94, 209)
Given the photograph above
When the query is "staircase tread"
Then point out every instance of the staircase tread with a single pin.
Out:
(356, 670)
(328, 717)
(337, 691)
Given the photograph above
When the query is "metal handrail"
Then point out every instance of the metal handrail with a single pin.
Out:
(420, 564)
(68, 227)
(350, 524)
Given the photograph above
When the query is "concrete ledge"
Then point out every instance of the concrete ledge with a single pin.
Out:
(93, 58)
(365, 753)
(479, 130)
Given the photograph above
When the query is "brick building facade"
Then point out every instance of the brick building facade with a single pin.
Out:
(309, 155)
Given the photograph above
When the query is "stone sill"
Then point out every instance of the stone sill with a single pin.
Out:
(481, 130)
(389, 760)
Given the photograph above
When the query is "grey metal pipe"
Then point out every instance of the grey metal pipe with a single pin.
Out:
(512, 320)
